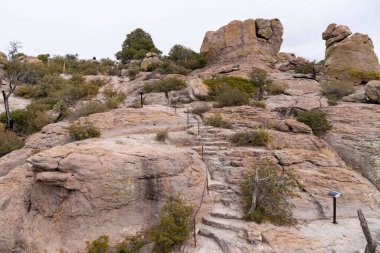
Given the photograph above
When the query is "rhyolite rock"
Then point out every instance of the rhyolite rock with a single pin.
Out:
(248, 43)
(349, 57)
(372, 91)
(149, 61)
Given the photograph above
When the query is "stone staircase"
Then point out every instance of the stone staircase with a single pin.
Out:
(223, 224)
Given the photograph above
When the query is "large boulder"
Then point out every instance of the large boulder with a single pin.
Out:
(150, 60)
(372, 91)
(251, 42)
(349, 58)
(3, 58)
(77, 192)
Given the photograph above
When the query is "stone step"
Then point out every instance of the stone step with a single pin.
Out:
(221, 211)
(225, 224)
(215, 143)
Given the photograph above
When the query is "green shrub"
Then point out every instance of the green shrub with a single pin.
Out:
(25, 91)
(274, 89)
(9, 141)
(217, 121)
(251, 138)
(133, 72)
(29, 120)
(273, 189)
(168, 67)
(174, 226)
(185, 57)
(113, 98)
(259, 104)
(89, 108)
(259, 78)
(232, 97)
(316, 120)
(219, 85)
(99, 245)
(133, 246)
(136, 45)
(364, 76)
(307, 68)
(162, 135)
(200, 109)
(83, 131)
(165, 85)
(334, 91)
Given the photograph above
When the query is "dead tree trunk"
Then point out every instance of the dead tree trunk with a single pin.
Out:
(371, 244)
(254, 192)
(7, 112)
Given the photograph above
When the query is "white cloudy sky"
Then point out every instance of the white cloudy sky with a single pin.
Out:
(98, 27)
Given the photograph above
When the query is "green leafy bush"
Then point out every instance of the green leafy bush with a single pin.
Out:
(168, 67)
(83, 131)
(162, 135)
(219, 85)
(364, 76)
(185, 57)
(274, 89)
(334, 91)
(133, 72)
(316, 120)
(165, 85)
(217, 121)
(174, 226)
(113, 98)
(251, 138)
(99, 245)
(259, 79)
(259, 104)
(9, 141)
(307, 68)
(232, 97)
(274, 186)
(25, 91)
(133, 245)
(136, 45)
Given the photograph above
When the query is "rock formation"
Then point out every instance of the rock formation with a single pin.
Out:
(349, 58)
(253, 42)
(372, 91)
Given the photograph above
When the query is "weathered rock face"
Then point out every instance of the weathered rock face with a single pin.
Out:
(289, 61)
(251, 41)
(372, 91)
(355, 137)
(149, 60)
(349, 58)
(3, 58)
(82, 190)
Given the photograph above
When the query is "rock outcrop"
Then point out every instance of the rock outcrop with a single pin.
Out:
(149, 61)
(372, 91)
(349, 58)
(252, 42)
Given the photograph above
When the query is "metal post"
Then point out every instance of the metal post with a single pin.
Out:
(198, 126)
(334, 203)
(202, 154)
(194, 233)
(141, 99)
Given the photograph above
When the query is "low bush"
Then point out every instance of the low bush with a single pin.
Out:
(78, 131)
(274, 89)
(133, 72)
(217, 121)
(161, 135)
(185, 57)
(133, 245)
(364, 76)
(272, 186)
(168, 67)
(307, 68)
(220, 85)
(251, 138)
(334, 91)
(9, 141)
(165, 85)
(200, 109)
(99, 245)
(174, 226)
(259, 104)
(25, 91)
(87, 109)
(316, 120)
(234, 97)
(113, 98)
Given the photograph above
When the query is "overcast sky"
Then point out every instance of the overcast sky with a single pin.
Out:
(98, 27)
